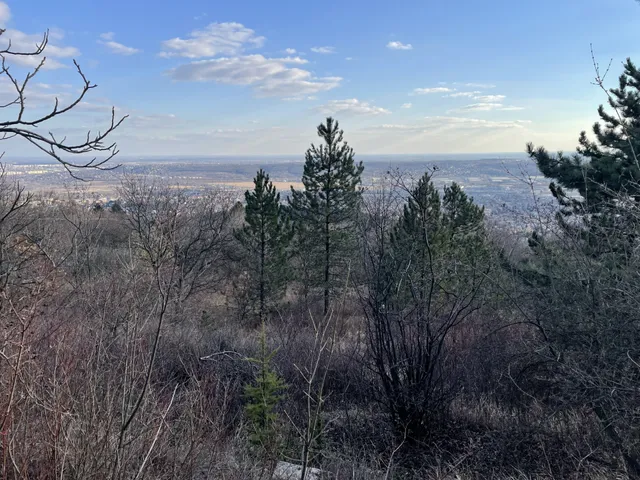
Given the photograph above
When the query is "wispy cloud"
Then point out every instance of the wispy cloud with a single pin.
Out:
(407, 105)
(351, 106)
(24, 42)
(5, 13)
(399, 46)
(107, 39)
(39, 95)
(216, 39)
(299, 98)
(487, 106)
(323, 50)
(425, 91)
(445, 123)
(463, 94)
(481, 107)
(490, 98)
(268, 76)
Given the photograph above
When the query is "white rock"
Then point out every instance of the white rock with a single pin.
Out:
(291, 471)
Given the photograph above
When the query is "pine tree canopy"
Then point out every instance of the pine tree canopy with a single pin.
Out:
(262, 211)
(266, 236)
(429, 218)
(438, 235)
(331, 178)
(324, 212)
(606, 167)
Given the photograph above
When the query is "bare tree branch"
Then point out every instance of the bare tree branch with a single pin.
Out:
(58, 149)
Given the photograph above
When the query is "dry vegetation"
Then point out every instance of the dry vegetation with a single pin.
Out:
(124, 354)
(433, 347)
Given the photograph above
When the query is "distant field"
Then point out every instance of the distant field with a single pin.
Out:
(501, 184)
(249, 185)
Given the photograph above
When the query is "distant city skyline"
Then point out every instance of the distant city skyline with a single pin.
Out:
(254, 78)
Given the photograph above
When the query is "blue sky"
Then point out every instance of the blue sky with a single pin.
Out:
(253, 77)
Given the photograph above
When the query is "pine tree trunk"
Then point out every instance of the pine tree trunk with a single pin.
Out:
(327, 258)
(262, 268)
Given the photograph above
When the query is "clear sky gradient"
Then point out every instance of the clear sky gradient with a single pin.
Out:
(251, 77)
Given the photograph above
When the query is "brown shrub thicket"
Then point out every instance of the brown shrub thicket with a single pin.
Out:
(121, 356)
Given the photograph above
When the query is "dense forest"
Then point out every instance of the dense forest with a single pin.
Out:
(387, 333)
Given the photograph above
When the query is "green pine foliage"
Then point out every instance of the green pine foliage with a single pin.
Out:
(265, 237)
(324, 212)
(461, 216)
(602, 172)
(262, 397)
(610, 164)
(424, 283)
(439, 236)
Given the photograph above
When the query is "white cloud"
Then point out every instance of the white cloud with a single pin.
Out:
(23, 42)
(351, 106)
(5, 13)
(268, 76)
(443, 134)
(443, 123)
(120, 49)
(153, 120)
(463, 94)
(399, 46)
(299, 98)
(216, 39)
(488, 106)
(490, 98)
(482, 107)
(115, 47)
(33, 61)
(323, 50)
(424, 91)
(37, 94)
(407, 105)
(290, 51)
(348, 59)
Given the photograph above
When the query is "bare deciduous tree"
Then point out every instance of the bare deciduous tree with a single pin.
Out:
(422, 285)
(23, 126)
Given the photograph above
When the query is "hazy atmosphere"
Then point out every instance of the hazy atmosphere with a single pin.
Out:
(319, 241)
(202, 78)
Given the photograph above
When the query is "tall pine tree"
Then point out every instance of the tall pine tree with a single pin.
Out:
(324, 212)
(602, 171)
(585, 282)
(265, 236)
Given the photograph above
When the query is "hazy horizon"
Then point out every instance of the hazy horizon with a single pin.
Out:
(405, 157)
